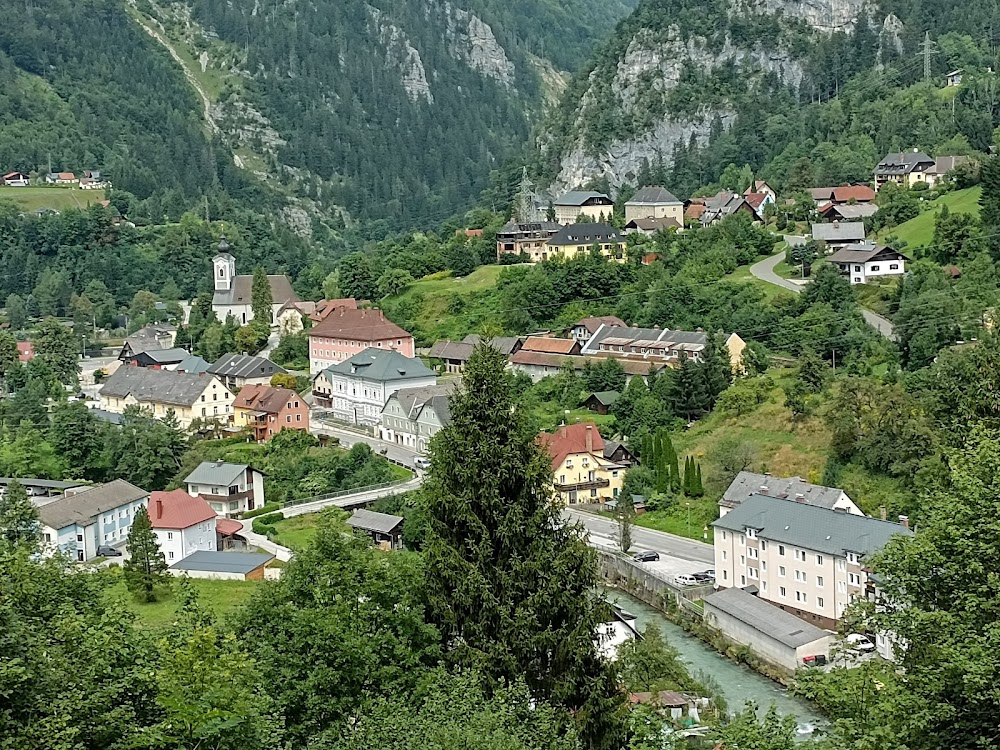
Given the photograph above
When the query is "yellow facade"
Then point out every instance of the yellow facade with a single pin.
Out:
(611, 250)
(587, 478)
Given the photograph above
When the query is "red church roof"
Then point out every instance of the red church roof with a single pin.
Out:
(178, 510)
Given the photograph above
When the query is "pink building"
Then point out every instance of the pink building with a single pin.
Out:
(346, 331)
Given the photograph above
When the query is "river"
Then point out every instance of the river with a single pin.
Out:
(739, 683)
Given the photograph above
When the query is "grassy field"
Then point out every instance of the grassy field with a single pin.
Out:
(919, 231)
(219, 597)
(56, 198)
(771, 292)
(551, 416)
(298, 531)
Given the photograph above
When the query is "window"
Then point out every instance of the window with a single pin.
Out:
(48, 537)
(79, 537)
(852, 558)
(819, 582)
(743, 580)
(841, 587)
(854, 579)
(763, 545)
(724, 537)
(288, 417)
(781, 592)
(857, 279)
(875, 268)
(725, 575)
(751, 533)
(170, 535)
(819, 602)
(819, 559)
(743, 540)
(800, 576)
(724, 555)
(203, 411)
(894, 266)
(743, 560)
(781, 571)
(298, 418)
(841, 566)
(763, 586)
(781, 550)
(562, 479)
(170, 555)
(800, 597)
(752, 572)
(800, 555)
(763, 565)
(857, 268)
(753, 553)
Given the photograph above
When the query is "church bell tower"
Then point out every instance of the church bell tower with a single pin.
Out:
(224, 267)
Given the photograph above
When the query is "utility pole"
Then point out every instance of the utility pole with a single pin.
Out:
(927, 50)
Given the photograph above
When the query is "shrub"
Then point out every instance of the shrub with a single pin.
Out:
(265, 508)
(269, 518)
(264, 529)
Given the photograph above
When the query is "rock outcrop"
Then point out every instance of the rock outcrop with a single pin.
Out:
(402, 55)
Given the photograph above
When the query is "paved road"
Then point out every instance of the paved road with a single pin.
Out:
(678, 548)
(396, 453)
(348, 500)
(764, 270)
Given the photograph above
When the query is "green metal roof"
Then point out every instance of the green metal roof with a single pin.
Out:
(382, 365)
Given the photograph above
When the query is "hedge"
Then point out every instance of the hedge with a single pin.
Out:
(265, 508)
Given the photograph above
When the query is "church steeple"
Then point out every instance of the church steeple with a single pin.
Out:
(223, 267)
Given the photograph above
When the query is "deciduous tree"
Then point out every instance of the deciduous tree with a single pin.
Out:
(56, 346)
(19, 524)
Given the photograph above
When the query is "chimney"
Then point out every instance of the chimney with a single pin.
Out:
(883, 513)
(904, 521)
(590, 438)
(159, 508)
(764, 489)
(563, 431)
(800, 498)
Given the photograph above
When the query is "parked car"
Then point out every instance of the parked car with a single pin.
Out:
(684, 579)
(107, 551)
(646, 556)
(859, 642)
(705, 576)
(420, 462)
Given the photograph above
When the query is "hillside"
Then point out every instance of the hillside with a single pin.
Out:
(803, 92)
(919, 231)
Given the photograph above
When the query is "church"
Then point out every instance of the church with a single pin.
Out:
(233, 293)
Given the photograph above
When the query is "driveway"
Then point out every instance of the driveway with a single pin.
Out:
(764, 270)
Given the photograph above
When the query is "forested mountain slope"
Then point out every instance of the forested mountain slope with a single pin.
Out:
(691, 86)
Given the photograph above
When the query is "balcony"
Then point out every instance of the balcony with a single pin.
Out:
(238, 497)
(589, 484)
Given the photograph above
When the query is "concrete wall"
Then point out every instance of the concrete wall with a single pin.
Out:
(643, 584)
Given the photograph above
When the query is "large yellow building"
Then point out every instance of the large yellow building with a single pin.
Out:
(575, 239)
(187, 395)
(584, 470)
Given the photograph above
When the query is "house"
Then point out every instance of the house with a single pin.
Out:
(771, 633)
(229, 489)
(183, 524)
(568, 347)
(412, 416)
(617, 453)
(92, 180)
(838, 234)
(905, 169)
(347, 331)
(944, 166)
(579, 239)
(726, 204)
(16, 179)
(847, 211)
(25, 351)
(601, 402)
(454, 354)
(158, 359)
(289, 318)
(758, 201)
(60, 178)
(265, 411)
(805, 559)
(223, 566)
(188, 396)
(323, 308)
(192, 364)
(357, 389)
(658, 345)
(585, 328)
(84, 519)
(539, 365)
(157, 336)
(862, 263)
(793, 489)
(233, 293)
(760, 187)
(616, 632)
(595, 206)
(506, 345)
(580, 472)
(655, 203)
(649, 227)
(515, 238)
(843, 194)
(238, 370)
(954, 78)
(384, 530)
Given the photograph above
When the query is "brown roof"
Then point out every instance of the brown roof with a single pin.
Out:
(694, 211)
(844, 194)
(551, 346)
(459, 351)
(264, 398)
(665, 698)
(360, 325)
(595, 322)
(571, 439)
(542, 359)
(228, 526)
(756, 200)
(326, 306)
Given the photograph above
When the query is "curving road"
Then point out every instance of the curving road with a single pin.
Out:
(764, 270)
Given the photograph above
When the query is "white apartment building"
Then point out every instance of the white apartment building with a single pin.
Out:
(86, 518)
(747, 483)
(182, 524)
(805, 559)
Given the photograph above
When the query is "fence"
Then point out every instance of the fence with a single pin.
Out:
(344, 493)
(647, 585)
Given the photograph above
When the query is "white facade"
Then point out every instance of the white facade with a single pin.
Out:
(862, 273)
(79, 541)
(414, 432)
(219, 497)
(176, 544)
(357, 400)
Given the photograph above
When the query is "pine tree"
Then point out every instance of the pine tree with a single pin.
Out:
(19, 524)
(690, 395)
(699, 488)
(495, 538)
(261, 299)
(688, 479)
(674, 475)
(716, 367)
(146, 567)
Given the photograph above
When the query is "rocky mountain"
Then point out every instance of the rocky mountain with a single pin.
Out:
(679, 75)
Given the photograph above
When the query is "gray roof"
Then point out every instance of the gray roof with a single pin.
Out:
(368, 520)
(412, 400)
(217, 473)
(159, 386)
(106, 416)
(839, 231)
(242, 286)
(584, 234)
(244, 366)
(855, 211)
(807, 526)
(748, 483)
(653, 194)
(49, 484)
(84, 507)
(382, 365)
(722, 205)
(765, 618)
(505, 344)
(455, 350)
(903, 163)
(643, 334)
(946, 164)
(193, 363)
(578, 198)
(167, 356)
(213, 561)
(151, 337)
(650, 224)
(865, 253)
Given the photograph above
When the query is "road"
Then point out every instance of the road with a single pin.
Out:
(677, 547)
(349, 500)
(764, 270)
(395, 453)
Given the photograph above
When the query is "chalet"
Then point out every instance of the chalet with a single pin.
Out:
(601, 402)
(579, 239)
(151, 338)
(239, 370)
(760, 187)
(839, 234)
(516, 238)
(655, 203)
(758, 201)
(861, 263)
(843, 194)
(847, 211)
(229, 489)
(906, 169)
(595, 206)
(16, 179)
(724, 205)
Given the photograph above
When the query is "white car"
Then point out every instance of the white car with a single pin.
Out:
(859, 642)
(420, 462)
(683, 579)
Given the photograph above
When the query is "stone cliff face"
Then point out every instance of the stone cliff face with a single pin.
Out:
(401, 54)
(822, 15)
(472, 41)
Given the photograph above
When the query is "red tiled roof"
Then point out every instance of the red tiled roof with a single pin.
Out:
(859, 193)
(228, 526)
(25, 351)
(326, 306)
(264, 398)
(543, 359)
(178, 510)
(756, 200)
(570, 439)
(359, 325)
(649, 258)
(694, 211)
(551, 346)
(593, 323)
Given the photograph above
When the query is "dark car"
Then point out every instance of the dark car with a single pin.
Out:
(646, 556)
(706, 576)
(106, 551)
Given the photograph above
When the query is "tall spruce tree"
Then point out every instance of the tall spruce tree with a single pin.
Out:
(261, 299)
(511, 586)
(146, 568)
(716, 367)
(19, 524)
(690, 394)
